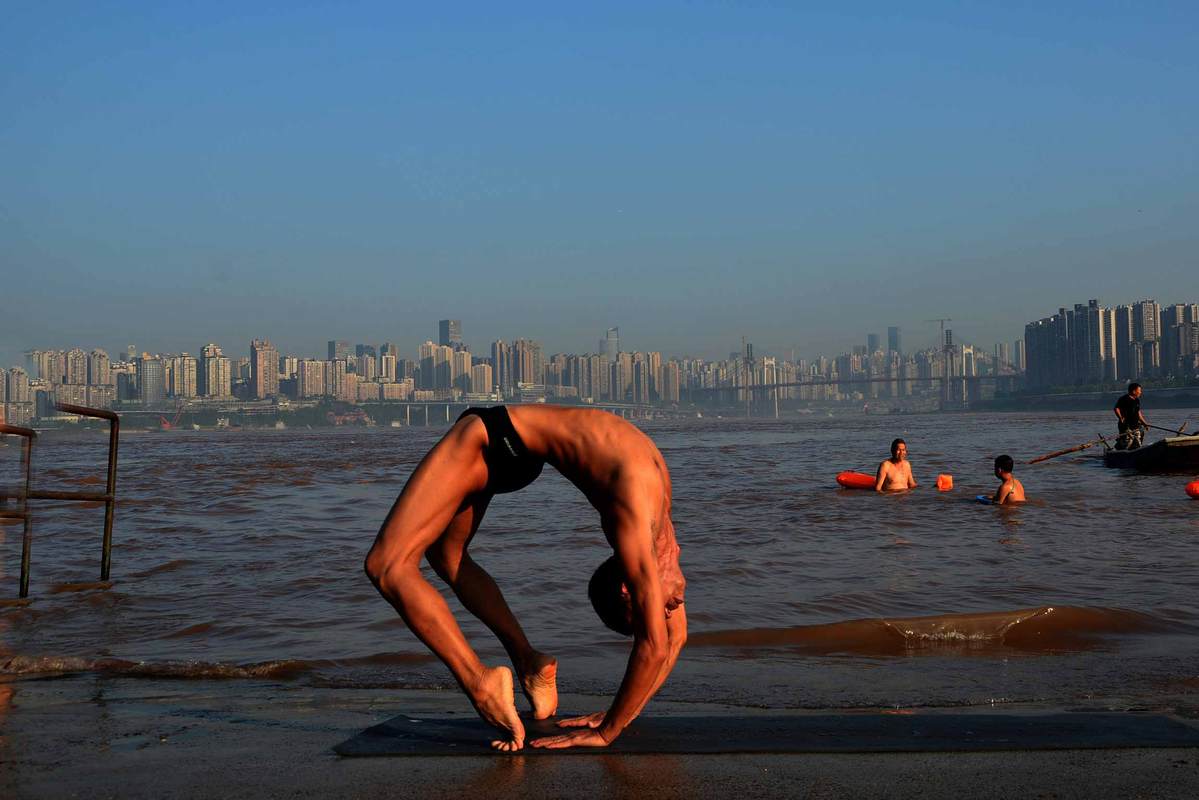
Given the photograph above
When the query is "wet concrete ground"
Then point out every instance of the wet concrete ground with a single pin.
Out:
(91, 736)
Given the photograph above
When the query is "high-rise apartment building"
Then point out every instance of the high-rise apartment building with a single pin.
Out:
(1047, 345)
(872, 343)
(894, 345)
(1003, 357)
(387, 367)
(460, 366)
(526, 362)
(426, 377)
(182, 376)
(406, 369)
(264, 369)
(75, 371)
(597, 374)
(336, 381)
(99, 369)
(17, 389)
(1019, 361)
(1177, 351)
(310, 378)
(620, 384)
(670, 382)
(1146, 321)
(501, 364)
(449, 332)
(151, 380)
(1099, 347)
(641, 381)
(610, 344)
(125, 375)
(654, 359)
(50, 365)
(442, 357)
(481, 380)
(214, 373)
(366, 366)
(338, 350)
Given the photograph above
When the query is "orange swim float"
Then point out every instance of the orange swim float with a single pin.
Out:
(855, 480)
(1193, 489)
(944, 482)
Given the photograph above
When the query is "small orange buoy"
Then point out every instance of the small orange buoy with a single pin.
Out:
(1193, 489)
(944, 482)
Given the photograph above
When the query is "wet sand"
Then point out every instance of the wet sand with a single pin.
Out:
(96, 736)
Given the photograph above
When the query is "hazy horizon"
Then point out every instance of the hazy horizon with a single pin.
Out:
(691, 173)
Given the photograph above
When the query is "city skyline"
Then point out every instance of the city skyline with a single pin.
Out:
(445, 331)
(1089, 344)
(610, 343)
(693, 174)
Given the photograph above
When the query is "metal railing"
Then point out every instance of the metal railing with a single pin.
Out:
(23, 497)
(108, 496)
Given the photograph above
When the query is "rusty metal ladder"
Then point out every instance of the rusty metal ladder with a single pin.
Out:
(27, 492)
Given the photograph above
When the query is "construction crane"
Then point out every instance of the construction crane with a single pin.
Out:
(171, 424)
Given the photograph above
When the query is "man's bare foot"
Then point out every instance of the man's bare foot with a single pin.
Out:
(494, 699)
(540, 682)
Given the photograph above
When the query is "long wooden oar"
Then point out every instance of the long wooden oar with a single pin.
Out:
(1068, 450)
(1101, 440)
(1168, 430)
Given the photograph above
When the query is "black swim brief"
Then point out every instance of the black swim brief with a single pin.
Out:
(510, 465)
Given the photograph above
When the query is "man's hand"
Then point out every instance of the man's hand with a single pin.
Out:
(581, 737)
(593, 720)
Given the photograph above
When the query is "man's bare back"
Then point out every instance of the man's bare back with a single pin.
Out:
(617, 467)
(490, 451)
(1010, 491)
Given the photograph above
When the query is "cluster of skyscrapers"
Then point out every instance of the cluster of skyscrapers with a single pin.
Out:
(448, 370)
(1093, 344)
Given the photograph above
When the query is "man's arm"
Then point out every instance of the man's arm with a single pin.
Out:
(880, 477)
(650, 660)
(676, 627)
(911, 478)
(1001, 494)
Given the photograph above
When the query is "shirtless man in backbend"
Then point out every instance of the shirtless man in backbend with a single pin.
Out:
(638, 591)
(895, 474)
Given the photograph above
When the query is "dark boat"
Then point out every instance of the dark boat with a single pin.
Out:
(1172, 454)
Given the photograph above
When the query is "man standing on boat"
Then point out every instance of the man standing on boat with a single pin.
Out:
(1131, 422)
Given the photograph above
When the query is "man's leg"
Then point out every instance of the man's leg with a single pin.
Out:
(482, 597)
(437, 491)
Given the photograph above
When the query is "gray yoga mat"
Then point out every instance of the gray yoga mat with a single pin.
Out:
(798, 733)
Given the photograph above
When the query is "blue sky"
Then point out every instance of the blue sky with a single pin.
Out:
(172, 174)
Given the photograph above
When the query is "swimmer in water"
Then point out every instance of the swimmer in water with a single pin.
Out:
(1010, 490)
(637, 592)
(895, 474)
